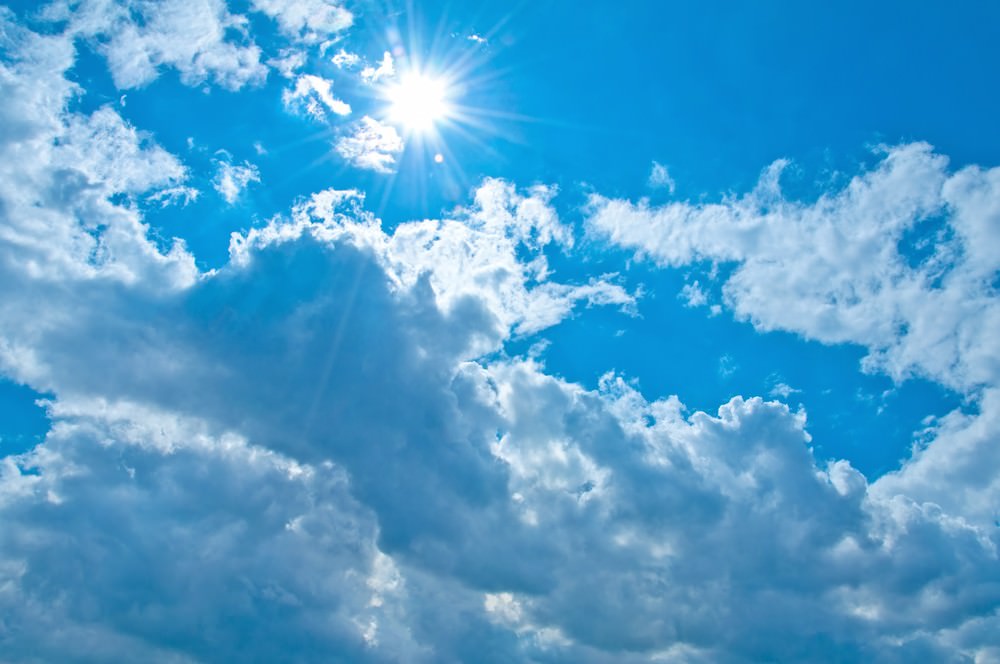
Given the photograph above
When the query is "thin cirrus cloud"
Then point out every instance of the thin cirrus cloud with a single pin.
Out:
(326, 450)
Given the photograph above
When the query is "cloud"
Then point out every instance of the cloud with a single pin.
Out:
(60, 170)
(385, 69)
(288, 61)
(181, 195)
(694, 295)
(951, 464)
(371, 145)
(898, 260)
(323, 451)
(782, 391)
(198, 38)
(659, 178)
(727, 366)
(311, 95)
(232, 179)
(345, 60)
(243, 535)
(307, 21)
(837, 269)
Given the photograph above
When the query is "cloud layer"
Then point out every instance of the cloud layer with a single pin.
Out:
(322, 452)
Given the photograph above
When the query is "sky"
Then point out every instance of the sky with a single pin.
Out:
(499, 332)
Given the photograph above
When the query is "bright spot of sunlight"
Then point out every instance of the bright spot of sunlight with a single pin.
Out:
(418, 101)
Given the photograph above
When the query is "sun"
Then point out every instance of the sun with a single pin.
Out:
(418, 101)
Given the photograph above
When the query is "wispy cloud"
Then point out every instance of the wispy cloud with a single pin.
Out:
(371, 144)
(312, 95)
(659, 178)
(385, 69)
(232, 179)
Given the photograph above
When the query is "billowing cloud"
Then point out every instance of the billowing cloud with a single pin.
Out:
(931, 312)
(900, 260)
(198, 38)
(308, 21)
(322, 450)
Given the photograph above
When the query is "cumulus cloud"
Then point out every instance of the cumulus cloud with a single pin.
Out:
(344, 59)
(901, 260)
(232, 179)
(308, 21)
(198, 38)
(312, 96)
(321, 451)
(60, 171)
(385, 69)
(836, 269)
(371, 145)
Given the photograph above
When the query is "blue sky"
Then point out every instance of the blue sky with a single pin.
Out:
(503, 321)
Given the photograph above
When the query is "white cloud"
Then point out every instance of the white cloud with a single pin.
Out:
(308, 21)
(694, 295)
(385, 69)
(953, 465)
(288, 62)
(311, 95)
(371, 145)
(198, 38)
(59, 171)
(321, 452)
(232, 179)
(659, 178)
(839, 270)
(832, 270)
(531, 219)
(782, 390)
(179, 195)
(345, 60)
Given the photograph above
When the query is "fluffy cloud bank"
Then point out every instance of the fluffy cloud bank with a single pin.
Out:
(901, 260)
(201, 39)
(321, 452)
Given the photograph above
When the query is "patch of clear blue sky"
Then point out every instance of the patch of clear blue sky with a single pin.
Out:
(714, 90)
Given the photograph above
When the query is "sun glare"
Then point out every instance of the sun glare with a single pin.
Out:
(418, 101)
